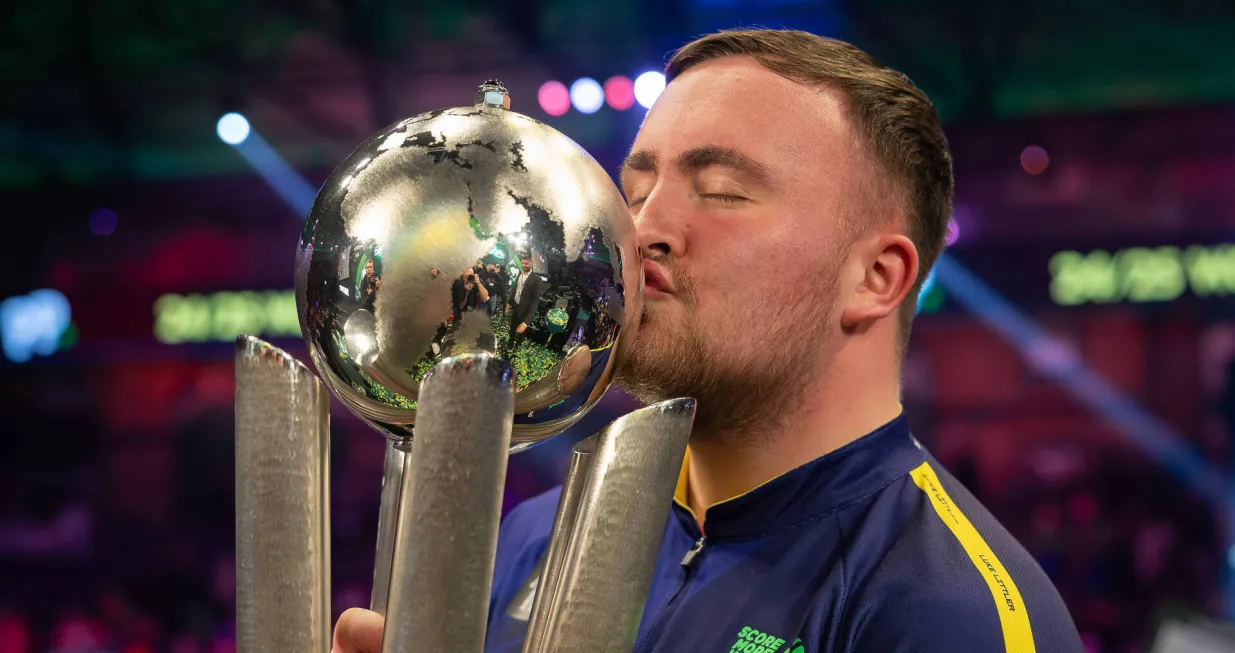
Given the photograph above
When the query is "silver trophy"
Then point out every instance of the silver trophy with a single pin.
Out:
(465, 281)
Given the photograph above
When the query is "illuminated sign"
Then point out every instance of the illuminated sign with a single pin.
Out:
(37, 323)
(1142, 274)
(220, 317)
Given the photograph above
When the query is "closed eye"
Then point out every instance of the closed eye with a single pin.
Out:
(723, 198)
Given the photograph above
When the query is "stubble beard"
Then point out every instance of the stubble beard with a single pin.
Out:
(745, 382)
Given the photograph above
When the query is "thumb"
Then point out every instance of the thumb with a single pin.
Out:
(358, 631)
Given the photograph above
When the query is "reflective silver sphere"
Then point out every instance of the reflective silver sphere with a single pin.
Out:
(464, 230)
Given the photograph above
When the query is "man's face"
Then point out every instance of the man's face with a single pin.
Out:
(735, 172)
(368, 268)
(526, 263)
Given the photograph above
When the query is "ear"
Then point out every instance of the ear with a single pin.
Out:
(887, 266)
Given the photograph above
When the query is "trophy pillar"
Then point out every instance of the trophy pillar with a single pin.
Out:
(282, 503)
(446, 538)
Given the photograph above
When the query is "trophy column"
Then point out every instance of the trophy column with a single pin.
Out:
(451, 506)
(282, 503)
(393, 472)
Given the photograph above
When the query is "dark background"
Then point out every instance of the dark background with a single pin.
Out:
(116, 479)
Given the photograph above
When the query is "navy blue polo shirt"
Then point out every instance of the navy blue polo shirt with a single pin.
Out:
(872, 548)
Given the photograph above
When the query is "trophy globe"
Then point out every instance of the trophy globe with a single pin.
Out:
(467, 230)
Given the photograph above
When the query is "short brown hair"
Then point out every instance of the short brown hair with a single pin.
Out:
(895, 118)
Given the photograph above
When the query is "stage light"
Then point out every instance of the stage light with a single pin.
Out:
(648, 87)
(233, 128)
(1034, 160)
(33, 324)
(554, 98)
(620, 92)
(928, 300)
(953, 233)
(587, 95)
(103, 221)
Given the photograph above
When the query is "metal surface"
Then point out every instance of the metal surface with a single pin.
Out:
(385, 254)
(607, 568)
(452, 503)
(282, 503)
(564, 522)
(393, 471)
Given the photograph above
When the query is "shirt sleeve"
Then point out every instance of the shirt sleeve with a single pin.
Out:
(956, 580)
(919, 623)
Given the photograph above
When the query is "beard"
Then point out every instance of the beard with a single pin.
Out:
(742, 376)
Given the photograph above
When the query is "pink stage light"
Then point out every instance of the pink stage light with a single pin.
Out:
(620, 92)
(554, 98)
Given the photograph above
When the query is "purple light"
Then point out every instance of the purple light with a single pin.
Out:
(103, 221)
(954, 232)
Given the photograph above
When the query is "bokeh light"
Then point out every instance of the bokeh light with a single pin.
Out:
(587, 95)
(954, 232)
(103, 221)
(620, 92)
(233, 128)
(648, 87)
(554, 98)
(1034, 160)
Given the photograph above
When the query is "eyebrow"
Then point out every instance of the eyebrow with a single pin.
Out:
(699, 158)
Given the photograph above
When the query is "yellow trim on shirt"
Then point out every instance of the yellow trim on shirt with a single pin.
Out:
(681, 493)
(1013, 617)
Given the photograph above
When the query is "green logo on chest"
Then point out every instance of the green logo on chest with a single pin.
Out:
(751, 640)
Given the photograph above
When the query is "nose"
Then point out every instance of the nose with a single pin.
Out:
(659, 224)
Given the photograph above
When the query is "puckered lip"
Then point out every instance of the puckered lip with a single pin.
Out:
(655, 281)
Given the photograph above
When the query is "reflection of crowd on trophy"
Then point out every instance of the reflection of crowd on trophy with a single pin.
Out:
(525, 300)
(537, 305)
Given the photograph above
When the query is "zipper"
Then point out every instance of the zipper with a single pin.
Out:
(665, 614)
(689, 559)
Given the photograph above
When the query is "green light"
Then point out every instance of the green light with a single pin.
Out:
(69, 337)
(220, 317)
(933, 300)
(1141, 274)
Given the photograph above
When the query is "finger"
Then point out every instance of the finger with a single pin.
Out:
(358, 631)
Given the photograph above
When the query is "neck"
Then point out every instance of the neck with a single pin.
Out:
(857, 394)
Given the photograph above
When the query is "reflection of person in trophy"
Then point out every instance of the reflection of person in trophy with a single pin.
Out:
(493, 280)
(524, 299)
(369, 285)
(433, 273)
(467, 293)
(829, 527)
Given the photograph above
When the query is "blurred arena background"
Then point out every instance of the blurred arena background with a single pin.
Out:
(1073, 363)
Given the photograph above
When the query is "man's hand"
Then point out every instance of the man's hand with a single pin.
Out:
(358, 631)
(521, 328)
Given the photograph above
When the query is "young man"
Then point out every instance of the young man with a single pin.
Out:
(807, 518)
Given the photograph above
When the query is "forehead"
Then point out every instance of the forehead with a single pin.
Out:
(735, 102)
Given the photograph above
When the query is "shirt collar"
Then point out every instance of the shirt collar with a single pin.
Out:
(827, 483)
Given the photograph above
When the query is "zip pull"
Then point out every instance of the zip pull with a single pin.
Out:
(694, 552)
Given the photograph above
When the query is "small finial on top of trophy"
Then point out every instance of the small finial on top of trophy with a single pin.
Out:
(493, 93)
